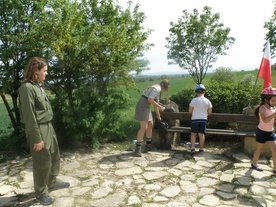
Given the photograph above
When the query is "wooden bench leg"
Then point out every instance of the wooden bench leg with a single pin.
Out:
(176, 140)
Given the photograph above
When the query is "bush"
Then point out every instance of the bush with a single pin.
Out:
(13, 143)
(225, 97)
(183, 99)
(232, 97)
(93, 118)
(223, 74)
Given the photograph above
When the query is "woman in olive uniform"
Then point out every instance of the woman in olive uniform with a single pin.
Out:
(36, 114)
(143, 113)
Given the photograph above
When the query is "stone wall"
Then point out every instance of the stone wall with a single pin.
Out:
(174, 138)
(249, 146)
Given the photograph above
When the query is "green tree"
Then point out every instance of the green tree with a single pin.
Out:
(196, 41)
(223, 74)
(95, 43)
(18, 42)
(271, 26)
(273, 67)
(92, 47)
(92, 57)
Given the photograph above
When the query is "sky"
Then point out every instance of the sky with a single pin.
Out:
(245, 18)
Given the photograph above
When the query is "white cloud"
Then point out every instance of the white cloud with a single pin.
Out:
(245, 18)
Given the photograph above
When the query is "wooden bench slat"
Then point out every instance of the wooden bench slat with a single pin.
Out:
(230, 132)
(217, 117)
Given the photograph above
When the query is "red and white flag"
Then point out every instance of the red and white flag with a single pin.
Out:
(265, 67)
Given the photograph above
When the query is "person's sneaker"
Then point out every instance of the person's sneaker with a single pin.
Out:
(59, 185)
(138, 151)
(45, 200)
(256, 167)
(193, 151)
(201, 150)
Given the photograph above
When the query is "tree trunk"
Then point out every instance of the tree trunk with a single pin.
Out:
(14, 124)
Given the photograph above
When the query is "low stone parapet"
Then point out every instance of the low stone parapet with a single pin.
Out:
(250, 146)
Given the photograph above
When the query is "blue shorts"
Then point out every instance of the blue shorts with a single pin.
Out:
(263, 136)
(198, 126)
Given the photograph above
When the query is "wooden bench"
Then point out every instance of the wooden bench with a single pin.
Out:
(241, 125)
(245, 124)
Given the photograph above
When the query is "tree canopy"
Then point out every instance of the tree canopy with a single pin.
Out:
(92, 47)
(196, 41)
(271, 34)
(223, 74)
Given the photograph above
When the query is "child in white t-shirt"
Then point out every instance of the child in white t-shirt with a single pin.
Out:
(200, 107)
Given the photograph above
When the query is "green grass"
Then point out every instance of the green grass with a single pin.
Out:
(186, 82)
(5, 123)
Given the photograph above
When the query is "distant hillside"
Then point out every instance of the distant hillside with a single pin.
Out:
(179, 82)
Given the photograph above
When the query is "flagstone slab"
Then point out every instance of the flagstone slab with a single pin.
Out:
(226, 187)
(257, 190)
(80, 191)
(209, 200)
(152, 187)
(7, 199)
(160, 199)
(242, 191)
(204, 163)
(171, 191)
(227, 196)
(101, 192)
(154, 175)
(172, 161)
(227, 178)
(188, 186)
(124, 164)
(271, 191)
(116, 199)
(206, 182)
(244, 180)
(64, 202)
(71, 166)
(128, 171)
(206, 191)
(132, 200)
(242, 157)
(175, 172)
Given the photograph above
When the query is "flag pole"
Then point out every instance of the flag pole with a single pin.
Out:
(261, 72)
(253, 90)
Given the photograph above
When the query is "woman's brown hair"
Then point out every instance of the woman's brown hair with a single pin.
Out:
(35, 63)
(165, 84)
(265, 99)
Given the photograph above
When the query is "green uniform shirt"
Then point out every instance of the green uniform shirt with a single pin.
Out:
(34, 109)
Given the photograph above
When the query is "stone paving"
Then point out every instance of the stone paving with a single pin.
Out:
(172, 178)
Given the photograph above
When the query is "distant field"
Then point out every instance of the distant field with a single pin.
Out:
(179, 83)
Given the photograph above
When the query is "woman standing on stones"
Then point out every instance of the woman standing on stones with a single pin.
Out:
(265, 113)
(143, 113)
(36, 114)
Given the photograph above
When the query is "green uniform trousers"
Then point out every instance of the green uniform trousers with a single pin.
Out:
(46, 163)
